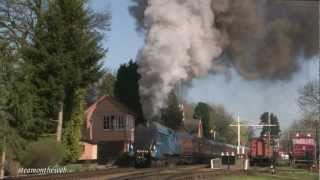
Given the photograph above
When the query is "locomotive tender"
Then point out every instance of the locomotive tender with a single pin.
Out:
(158, 145)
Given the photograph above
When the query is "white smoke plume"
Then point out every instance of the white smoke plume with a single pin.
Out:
(181, 43)
(185, 39)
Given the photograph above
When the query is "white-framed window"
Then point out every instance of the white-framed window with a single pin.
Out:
(114, 121)
(107, 122)
(121, 124)
(129, 122)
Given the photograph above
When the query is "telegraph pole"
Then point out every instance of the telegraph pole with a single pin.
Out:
(269, 130)
(317, 141)
(3, 158)
(238, 125)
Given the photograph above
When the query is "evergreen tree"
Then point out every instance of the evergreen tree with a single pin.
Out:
(202, 110)
(106, 86)
(74, 45)
(274, 130)
(72, 136)
(58, 52)
(126, 89)
(23, 103)
(10, 141)
(172, 115)
(221, 121)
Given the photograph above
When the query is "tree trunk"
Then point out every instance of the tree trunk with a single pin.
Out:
(3, 159)
(60, 122)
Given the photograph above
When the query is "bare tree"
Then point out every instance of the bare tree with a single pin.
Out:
(309, 100)
(18, 20)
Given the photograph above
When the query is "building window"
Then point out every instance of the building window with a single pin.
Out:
(112, 119)
(115, 122)
(129, 122)
(106, 122)
(121, 122)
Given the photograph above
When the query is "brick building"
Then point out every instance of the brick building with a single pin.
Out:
(108, 130)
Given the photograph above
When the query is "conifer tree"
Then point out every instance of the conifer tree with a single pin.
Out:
(172, 115)
(274, 130)
(202, 110)
(64, 59)
(72, 134)
(126, 89)
(73, 42)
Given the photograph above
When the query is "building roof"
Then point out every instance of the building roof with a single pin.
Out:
(114, 106)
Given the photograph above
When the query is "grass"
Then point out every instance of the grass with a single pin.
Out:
(283, 173)
(78, 167)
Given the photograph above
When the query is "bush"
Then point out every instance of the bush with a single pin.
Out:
(43, 153)
(11, 167)
(73, 167)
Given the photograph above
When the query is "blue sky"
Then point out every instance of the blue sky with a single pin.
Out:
(123, 41)
(248, 98)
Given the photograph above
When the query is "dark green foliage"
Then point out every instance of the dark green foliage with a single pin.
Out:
(42, 153)
(202, 110)
(126, 89)
(274, 130)
(106, 84)
(172, 115)
(221, 121)
(72, 132)
(104, 87)
(217, 119)
(59, 55)
(19, 28)
(65, 55)
(9, 136)
(75, 42)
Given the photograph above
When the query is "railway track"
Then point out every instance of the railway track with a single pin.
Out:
(112, 173)
(157, 173)
(75, 175)
(191, 173)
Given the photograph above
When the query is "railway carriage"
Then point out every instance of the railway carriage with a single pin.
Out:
(158, 145)
(303, 149)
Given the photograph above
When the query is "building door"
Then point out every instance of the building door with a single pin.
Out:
(108, 151)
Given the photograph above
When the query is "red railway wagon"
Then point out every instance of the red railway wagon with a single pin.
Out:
(186, 148)
(303, 149)
(260, 153)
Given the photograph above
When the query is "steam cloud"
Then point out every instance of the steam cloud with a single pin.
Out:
(185, 39)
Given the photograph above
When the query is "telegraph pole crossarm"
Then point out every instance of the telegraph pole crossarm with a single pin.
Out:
(238, 125)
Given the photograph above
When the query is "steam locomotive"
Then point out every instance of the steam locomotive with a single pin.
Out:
(158, 145)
